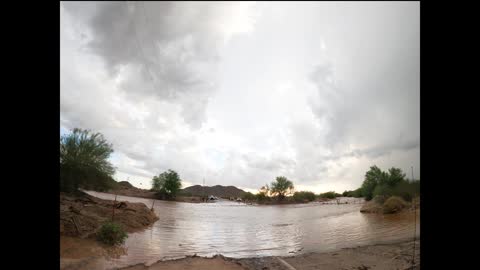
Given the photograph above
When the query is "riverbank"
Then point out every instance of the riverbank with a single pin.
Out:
(391, 206)
(382, 256)
(81, 214)
(192, 194)
(197, 194)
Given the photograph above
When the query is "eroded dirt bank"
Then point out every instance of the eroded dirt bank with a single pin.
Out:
(81, 215)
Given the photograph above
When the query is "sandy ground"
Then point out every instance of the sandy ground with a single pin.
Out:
(386, 256)
(80, 254)
(392, 256)
(199, 263)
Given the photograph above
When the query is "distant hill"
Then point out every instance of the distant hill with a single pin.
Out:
(219, 191)
(127, 189)
(125, 184)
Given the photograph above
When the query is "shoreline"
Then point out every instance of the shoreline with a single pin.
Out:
(82, 215)
(393, 255)
(145, 194)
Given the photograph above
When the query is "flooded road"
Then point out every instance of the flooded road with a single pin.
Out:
(239, 230)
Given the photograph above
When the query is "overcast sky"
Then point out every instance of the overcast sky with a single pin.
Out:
(241, 92)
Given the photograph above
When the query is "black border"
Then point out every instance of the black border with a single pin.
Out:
(32, 111)
(33, 31)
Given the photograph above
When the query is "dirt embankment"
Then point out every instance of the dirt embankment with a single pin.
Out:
(81, 215)
(385, 257)
(390, 206)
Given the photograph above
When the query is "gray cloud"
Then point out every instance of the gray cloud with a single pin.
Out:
(158, 49)
(317, 92)
(269, 164)
(375, 108)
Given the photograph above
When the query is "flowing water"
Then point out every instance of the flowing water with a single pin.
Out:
(239, 230)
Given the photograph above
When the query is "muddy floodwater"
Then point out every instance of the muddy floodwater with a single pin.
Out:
(239, 230)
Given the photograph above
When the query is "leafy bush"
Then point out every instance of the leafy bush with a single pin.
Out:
(329, 195)
(262, 197)
(111, 234)
(248, 196)
(357, 193)
(301, 196)
(407, 189)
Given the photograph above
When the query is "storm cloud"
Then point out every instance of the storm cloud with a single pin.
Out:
(241, 92)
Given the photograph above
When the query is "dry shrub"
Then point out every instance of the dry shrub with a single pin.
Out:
(393, 205)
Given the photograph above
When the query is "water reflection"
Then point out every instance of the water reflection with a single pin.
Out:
(238, 230)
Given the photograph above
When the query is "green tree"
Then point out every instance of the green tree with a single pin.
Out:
(395, 176)
(373, 177)
(84, 161)
(157, 183)
(167, 184)
(281, 187)
(386, 184)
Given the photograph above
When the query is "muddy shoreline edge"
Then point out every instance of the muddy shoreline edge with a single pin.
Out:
(392, 255)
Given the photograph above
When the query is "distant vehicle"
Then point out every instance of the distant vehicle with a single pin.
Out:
(239, 199)
(212, 198)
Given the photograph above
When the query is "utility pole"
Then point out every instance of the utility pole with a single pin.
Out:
(415, 224)
(113, 208)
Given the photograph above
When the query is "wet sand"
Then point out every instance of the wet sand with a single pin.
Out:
(385, 256)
